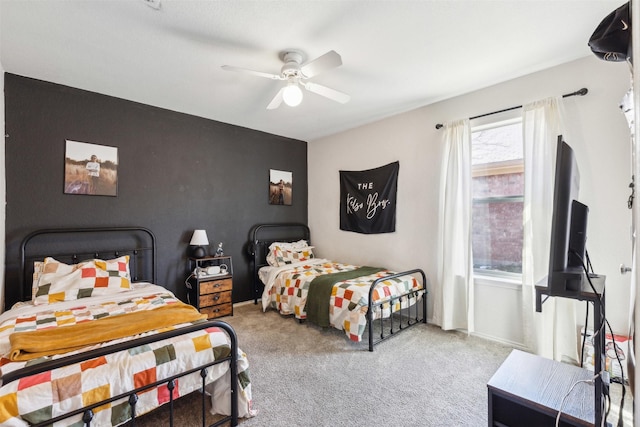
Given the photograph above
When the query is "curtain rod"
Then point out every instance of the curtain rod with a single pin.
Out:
(579, 92)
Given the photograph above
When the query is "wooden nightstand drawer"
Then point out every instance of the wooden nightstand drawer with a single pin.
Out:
(212, 286)
(217, 310)
(211, 295)
(215, 299)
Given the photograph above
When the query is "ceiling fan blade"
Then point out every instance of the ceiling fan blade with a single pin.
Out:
(276, 101)
(252, 72)
(332, 94)
(325, 62)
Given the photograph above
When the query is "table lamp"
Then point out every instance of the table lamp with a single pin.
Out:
(199, 239)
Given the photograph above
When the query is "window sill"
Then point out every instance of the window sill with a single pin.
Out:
(497, 281)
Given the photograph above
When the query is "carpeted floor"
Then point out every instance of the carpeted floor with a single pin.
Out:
(303, 375)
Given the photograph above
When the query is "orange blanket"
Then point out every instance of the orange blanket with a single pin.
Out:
(47, 342)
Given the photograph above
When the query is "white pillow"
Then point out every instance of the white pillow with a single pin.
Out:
(300, 244)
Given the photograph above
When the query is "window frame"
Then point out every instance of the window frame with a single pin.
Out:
(504, 167)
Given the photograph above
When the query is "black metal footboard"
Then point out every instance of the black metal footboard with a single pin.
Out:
(404, 322)
(87, 411)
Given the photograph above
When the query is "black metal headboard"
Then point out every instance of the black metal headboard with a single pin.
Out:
(72, 245)
(262, 236)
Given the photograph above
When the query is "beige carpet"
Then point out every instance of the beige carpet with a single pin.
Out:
(303, 375)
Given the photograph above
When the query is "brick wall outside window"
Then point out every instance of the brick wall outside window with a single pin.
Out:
(497, 226)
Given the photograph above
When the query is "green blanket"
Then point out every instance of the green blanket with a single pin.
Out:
(319, 295)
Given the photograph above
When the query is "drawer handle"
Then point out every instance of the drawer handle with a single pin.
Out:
(216, 310)
(216, 298)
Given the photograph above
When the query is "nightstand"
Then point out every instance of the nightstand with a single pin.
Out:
(210, 289)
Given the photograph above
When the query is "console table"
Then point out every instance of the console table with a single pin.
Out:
(527, 391)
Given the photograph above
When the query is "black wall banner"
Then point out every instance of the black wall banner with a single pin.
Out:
(368, 199)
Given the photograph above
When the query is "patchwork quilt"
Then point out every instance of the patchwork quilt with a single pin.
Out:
(287, 288)
(43, 396)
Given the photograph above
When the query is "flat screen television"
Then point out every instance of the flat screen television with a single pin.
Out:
(569, 225)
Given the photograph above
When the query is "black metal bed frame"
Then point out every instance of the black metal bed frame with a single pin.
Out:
(259, 246)
(141, 246)
(261, 236)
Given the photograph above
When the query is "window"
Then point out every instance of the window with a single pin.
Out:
(497, 191)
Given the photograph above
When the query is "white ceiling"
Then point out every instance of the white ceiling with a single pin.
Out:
(397, 55)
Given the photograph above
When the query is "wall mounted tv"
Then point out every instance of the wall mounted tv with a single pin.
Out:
(568, 227)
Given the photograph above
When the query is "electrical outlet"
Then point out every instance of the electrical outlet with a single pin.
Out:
(155, 4)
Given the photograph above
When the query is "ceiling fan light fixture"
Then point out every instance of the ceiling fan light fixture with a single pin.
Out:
(295, 74)
(292, 94)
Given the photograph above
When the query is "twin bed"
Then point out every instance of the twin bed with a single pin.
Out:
(96, 342)
(290, 279)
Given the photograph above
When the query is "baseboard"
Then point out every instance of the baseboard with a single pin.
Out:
(238, 304)
(513, 344)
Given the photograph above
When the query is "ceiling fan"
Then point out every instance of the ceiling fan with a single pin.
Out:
(295, 73)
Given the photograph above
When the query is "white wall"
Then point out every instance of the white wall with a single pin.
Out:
(597, 131)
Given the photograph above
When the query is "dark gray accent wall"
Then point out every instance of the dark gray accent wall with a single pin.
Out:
(176, 173)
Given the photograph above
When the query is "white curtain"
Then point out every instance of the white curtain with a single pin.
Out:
(453, 308)
(551, 333)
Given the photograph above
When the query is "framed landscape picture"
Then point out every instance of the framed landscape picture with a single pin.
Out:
(90, 169)
(280, 187)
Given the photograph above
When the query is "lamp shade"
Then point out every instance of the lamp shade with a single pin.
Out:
(199, 238)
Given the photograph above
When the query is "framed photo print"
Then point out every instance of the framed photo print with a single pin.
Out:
(280, 187)
(90, 169)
